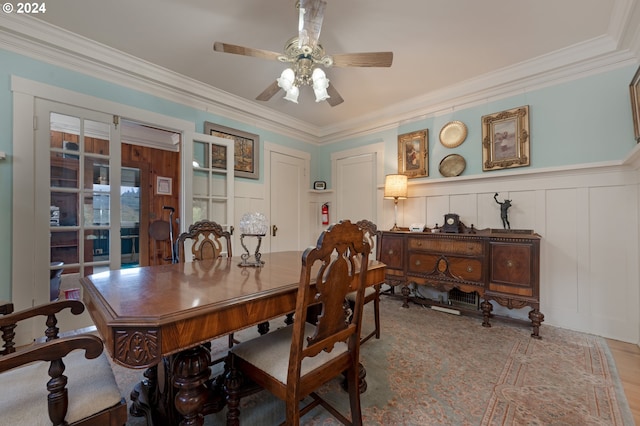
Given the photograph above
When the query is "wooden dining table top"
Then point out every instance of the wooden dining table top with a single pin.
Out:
(149, 312)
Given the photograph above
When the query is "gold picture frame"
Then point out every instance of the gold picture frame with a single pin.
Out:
(506, 139)
(634, 91)
(413, 154)
(246, 162)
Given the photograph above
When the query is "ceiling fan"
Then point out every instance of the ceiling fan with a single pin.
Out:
(307, 57)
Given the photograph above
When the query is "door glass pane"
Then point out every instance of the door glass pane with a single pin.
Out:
(96, 245)
(64, 209)
(200, 182)
(218, 156)
(96, 172)
(96, 137)
(200, 155)
(200, 209)
(96, 208)
(219, 185)
(64, 247)
(64, 170)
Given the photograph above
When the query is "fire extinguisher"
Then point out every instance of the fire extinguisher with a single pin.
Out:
(325, 214)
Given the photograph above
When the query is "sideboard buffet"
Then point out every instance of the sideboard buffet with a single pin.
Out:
(499, 265)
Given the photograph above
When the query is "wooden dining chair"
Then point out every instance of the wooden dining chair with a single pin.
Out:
(294, 361)
(56, 380)
(204, 240)
(207, 241)
(371, 294)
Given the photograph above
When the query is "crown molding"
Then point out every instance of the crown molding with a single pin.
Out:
(39, 40)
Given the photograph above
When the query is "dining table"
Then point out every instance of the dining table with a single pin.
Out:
(162, 318)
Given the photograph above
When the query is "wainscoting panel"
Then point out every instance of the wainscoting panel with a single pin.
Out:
(588, 219)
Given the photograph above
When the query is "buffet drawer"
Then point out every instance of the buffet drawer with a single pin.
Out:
(466, 269)
(449, 246)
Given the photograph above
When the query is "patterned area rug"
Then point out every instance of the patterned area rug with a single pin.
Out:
(433, 368)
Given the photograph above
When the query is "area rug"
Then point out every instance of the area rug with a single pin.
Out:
(434, 368)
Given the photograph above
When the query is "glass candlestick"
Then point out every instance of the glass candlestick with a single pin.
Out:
(252, 225)
(256, 256)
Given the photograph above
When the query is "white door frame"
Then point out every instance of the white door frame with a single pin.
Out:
(24, 94)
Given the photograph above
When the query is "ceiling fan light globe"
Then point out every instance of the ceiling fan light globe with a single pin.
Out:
(321, 94)
(318, 74)
(292, 94)
(286, 79)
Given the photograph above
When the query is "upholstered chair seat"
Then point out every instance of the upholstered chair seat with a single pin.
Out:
(270, 353)
(91, 386)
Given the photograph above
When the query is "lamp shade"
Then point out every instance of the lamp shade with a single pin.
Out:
(395, 186)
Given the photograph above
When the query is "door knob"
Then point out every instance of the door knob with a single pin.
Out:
(274, 229)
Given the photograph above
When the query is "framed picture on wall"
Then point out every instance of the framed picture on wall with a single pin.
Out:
(413, 154)
(163, 185)
(246, 160)
(634, 89)
(505, 139)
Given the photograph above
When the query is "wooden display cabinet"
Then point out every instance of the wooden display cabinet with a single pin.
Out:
(502, 266)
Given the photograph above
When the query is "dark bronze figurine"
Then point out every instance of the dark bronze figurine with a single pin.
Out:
(504, 206)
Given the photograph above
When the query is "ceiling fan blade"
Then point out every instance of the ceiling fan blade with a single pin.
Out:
(367, 59)
(246, 51)
(269, 92)
(310, 22)
(334, 97)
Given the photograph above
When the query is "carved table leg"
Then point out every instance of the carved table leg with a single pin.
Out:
(191, 370)
(405, 293)
(288, 319)
(263, 327)
(145, 395)
(536, 318)
(362, 382)
(487, 307)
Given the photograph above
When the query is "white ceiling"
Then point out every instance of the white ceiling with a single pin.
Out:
(438, 45)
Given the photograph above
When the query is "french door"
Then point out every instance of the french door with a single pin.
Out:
(208, 164)
(77, 199)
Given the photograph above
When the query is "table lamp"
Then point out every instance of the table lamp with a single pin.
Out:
(395, 187)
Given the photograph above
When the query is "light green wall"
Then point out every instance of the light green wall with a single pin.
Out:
(582, 121)
(578, 122)
(14, 64)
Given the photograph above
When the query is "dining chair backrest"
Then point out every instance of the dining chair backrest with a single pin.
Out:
(328, 273)
(372, 235)
(293, 362)
(208, 241)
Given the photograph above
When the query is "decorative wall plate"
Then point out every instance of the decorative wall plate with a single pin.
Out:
(453, 134)
(452, 165)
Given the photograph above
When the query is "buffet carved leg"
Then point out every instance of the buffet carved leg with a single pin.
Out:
(405, 294)
(487, 307)
(536, 318)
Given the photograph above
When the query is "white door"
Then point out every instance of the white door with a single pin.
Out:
(356, 187)
(208, 177)
(288, 187)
